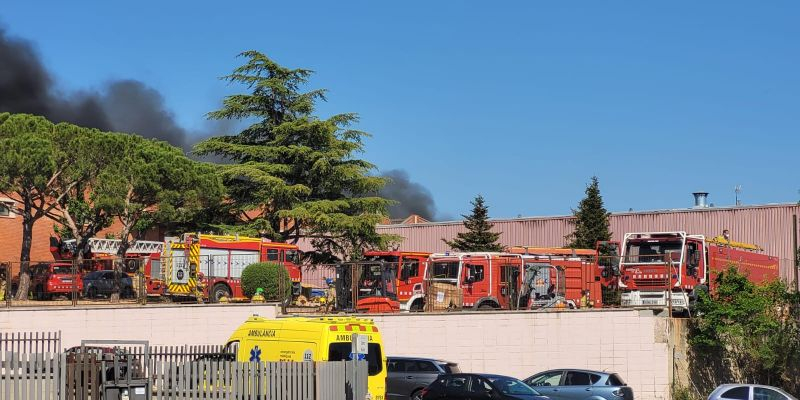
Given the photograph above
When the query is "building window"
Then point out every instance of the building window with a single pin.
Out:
(5, 209)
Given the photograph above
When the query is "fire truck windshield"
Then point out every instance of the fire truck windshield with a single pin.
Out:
(444, 270)
(652, 251)
(293, 256)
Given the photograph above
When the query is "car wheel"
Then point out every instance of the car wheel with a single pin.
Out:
(416, 395)
(219, 291)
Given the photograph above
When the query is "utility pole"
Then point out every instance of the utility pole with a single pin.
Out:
(796, 266)
(738, 190)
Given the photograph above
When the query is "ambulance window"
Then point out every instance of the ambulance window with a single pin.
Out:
(341, 352)
(232, 348)
(272, 255)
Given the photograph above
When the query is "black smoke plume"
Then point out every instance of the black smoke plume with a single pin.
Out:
(26, 86)
(412, 197)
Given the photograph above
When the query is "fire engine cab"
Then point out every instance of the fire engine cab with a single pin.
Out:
(481, 280)
(658, 266)
(410, 273)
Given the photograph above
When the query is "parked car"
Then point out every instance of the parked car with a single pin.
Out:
(578, 384)
(407, 376)
(479, 386)
(49, 280)
(742, 391)
(102, 283)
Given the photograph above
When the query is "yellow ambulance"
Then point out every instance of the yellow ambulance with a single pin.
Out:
(310, 339)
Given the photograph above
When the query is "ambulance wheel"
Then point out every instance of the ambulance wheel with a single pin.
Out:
(219, 291)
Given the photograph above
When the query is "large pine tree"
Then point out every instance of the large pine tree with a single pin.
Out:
(294, 174)
(591, 220)
(479, 236)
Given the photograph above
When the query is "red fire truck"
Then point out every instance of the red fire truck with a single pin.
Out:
(141, 255)
(658, 266)
(220, 260)
(485, 280)
(410, 275)
(554, 275)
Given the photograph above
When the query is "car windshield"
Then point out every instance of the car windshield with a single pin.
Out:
(512, 386)
(62, 269)
(652, 251)
(444, 270)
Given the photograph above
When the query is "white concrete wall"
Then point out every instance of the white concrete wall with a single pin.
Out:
(519, 344)
(630, 343)
(170, 325)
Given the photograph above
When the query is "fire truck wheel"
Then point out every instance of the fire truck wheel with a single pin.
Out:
(417, 305)
(219, 291)
(486, 307)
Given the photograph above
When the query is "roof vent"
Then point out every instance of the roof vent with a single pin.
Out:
(700, 199)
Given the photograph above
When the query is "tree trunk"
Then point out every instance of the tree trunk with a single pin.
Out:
(119, 266)
(25, 255)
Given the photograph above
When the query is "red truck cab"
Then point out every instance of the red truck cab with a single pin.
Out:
(410, 272)
(486, 280)
(657, 268)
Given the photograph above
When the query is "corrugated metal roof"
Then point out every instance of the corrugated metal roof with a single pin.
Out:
(769, 226)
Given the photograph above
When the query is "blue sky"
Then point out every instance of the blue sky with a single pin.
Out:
(520, 101)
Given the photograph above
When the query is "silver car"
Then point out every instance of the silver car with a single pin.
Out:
(745, 391)
(407, 376)
(580, 384)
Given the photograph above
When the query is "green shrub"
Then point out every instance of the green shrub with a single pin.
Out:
(269, 276)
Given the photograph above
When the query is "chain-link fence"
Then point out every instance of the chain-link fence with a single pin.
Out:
(518, 282)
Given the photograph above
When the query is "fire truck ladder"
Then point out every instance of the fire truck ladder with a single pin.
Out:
(720, 240)
(111, 246)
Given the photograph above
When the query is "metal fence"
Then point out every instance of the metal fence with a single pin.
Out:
(30, 342)
(367, 286)
(83, 376)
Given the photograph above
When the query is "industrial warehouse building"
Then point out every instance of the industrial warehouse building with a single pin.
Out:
(769, 226)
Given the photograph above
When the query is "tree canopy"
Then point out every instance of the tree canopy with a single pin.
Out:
(37, 162)
(591, 219)
(84, 178)
(294, 174)
(479, 236)
(756, 327)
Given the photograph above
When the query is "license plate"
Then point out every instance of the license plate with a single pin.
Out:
(66, 280)
(650, 302)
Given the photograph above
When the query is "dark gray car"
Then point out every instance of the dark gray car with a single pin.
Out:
(407, 376)
(579, 384)
(102, 283)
